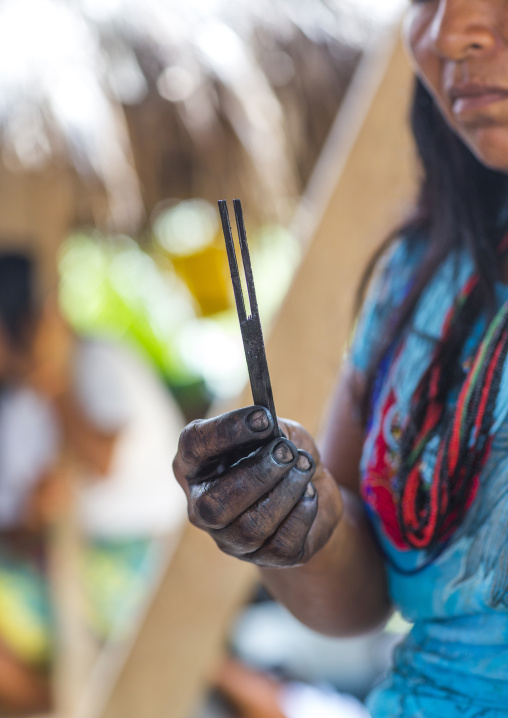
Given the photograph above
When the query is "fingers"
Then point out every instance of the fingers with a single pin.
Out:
(287, 546)
(300, 437)
(330, 510)
(202, 442)
(216, 504)
(253, 493)
(305, 530)
(250, 531)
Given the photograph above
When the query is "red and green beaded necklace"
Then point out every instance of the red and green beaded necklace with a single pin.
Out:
(422, 514)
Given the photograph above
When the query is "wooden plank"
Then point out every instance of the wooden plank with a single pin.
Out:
(35, 215)
(361, 188)
(364, 181)
(163, 673)
(76, 649)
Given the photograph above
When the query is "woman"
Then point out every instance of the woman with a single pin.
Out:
(419, 431)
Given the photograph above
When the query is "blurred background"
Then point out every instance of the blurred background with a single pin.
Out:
(122, 122)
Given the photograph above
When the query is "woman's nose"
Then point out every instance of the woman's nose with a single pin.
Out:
(463, 28)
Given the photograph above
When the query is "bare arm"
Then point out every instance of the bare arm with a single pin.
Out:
(342, 590)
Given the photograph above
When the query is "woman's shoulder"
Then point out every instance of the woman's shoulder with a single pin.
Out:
(398, 264)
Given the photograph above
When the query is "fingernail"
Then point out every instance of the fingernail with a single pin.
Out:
(282, 453)
(310, 491)
(258, 420)
(304, 463)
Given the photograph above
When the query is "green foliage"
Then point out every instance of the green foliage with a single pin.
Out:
(113, 287)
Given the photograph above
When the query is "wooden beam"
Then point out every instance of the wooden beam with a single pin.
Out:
(164, 673)
(360, 189)
(76, 650)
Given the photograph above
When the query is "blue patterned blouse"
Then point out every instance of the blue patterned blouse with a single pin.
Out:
(454, 663)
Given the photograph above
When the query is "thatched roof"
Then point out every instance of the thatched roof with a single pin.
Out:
(155, 99)
(54, 103)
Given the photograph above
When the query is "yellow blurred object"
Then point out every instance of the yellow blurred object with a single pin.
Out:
(189, 232)
(206, 274)
(23, 616)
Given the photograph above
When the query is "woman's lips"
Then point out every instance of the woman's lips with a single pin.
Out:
(468, 98)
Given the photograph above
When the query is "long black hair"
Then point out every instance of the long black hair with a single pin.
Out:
(460, 205)
(17, 297)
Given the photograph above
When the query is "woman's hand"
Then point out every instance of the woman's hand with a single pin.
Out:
(252, 493)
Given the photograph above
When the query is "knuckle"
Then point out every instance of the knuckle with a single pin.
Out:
(289, 542)
(176, 466)
(229, 428)
(210, 510)
(298, 556)
(261, 477)
(193, 517)
(287, 553)
(190, 444)
(227, 545)
(265, 473)
(253, 528)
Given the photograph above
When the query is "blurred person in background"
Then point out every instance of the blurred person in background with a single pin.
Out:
(81, 420)
(408, 505)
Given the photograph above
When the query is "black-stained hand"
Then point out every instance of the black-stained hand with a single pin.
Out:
(265, 500)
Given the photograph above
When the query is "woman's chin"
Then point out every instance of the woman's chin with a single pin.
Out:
(490, 147)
